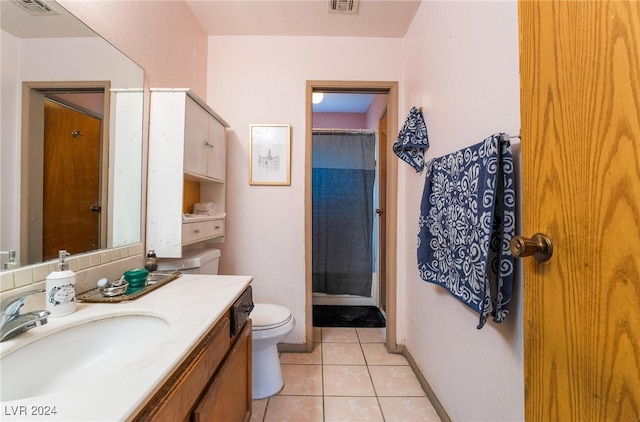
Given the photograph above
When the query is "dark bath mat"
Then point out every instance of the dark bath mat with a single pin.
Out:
(347, 316)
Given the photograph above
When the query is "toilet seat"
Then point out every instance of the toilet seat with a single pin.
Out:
(266, 316)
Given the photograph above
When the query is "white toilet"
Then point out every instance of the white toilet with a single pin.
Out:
(193, 261)
(271, 324)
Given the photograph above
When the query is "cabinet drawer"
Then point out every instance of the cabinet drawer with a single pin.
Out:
(200, 230)
(240, 311)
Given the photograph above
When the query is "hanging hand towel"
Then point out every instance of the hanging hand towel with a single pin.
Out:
(466, 222)
(412, 140)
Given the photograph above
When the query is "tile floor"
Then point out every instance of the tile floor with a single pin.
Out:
(349, 376)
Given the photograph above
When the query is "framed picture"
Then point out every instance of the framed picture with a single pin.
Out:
(270, 155)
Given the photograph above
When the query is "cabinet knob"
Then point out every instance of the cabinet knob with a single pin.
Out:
(207, 144)
(196, 231)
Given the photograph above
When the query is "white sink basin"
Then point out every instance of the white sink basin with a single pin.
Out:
(78, 354)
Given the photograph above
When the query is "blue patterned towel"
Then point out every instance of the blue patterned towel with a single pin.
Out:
(467, 218)
(412, 140)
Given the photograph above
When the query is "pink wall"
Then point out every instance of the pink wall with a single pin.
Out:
(339, 120)
(376, 110)
(368, 120)
(167, 41)
(263, 80)
(476, 374)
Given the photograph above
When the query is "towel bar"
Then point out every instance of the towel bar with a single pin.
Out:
(506, 136)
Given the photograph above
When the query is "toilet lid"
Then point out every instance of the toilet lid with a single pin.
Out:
(268, 315)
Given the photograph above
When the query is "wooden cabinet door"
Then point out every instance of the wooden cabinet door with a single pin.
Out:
(175, 399)
(228, 397)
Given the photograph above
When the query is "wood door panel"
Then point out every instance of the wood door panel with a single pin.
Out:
(71, 181)
(580, 104)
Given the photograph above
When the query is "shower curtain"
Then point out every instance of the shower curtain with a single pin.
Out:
(342, 212)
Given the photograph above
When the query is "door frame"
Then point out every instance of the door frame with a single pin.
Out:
(32, 143)
(391, 212)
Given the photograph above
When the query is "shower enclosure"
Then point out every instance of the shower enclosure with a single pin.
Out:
(343, 214)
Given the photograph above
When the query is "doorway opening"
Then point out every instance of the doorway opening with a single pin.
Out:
(64, 168)
(350, 185)
(344, 162)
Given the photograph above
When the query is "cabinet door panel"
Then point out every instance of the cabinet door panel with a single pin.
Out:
(228, 398)
(196, 138)
(175, 399)
(218, 153)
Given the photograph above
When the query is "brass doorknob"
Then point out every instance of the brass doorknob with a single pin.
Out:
(539, 246)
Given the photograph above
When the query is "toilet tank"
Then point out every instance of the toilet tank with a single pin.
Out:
(193, 261)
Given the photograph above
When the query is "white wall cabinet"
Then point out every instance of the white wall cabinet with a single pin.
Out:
(187, 164)
(205, 147)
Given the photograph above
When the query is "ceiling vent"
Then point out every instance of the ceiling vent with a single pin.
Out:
(37, 7)
(349, 7)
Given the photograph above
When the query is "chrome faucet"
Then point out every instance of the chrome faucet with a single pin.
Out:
(12, 322)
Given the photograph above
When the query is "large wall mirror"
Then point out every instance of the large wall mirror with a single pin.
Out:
(71, 137)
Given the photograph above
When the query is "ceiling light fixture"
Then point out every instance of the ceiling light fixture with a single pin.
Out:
(317, 97)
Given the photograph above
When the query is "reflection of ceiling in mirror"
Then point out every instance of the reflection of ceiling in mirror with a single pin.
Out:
(22, 24)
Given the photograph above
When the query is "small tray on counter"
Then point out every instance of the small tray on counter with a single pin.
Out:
(156, 279)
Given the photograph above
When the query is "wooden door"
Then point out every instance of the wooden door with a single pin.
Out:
(580, 105)
(382, 200)
(71, 199)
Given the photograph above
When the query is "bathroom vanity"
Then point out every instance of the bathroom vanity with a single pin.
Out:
(214, 381)
(181, 352)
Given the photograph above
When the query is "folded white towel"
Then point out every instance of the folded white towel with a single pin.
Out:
(204, 208)
(203, 217)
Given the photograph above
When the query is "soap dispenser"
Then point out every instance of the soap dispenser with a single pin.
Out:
(61, 288)
(152, 262)
(12, 263)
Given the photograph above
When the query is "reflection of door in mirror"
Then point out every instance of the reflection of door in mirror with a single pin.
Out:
(71, 197)
(65, 163)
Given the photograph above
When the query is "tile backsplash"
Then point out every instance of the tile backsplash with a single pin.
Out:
(89, 268)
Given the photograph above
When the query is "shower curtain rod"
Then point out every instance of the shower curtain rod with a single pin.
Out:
(338, 130)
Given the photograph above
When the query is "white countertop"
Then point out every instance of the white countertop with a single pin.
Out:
(192, 305)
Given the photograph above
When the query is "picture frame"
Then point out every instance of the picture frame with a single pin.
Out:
(270, 154)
